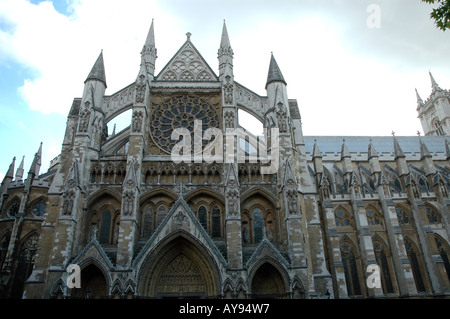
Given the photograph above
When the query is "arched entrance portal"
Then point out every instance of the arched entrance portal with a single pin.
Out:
(93, 284)
(268, 283)
(179, 269)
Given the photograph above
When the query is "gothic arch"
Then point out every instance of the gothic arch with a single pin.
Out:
(258, 190)
(101, 192)
(344, 217)
(417, 264)
(298, 290)
(269, 279)
(98, 276)
(351, 264)
(159, 191)
(179, 266)
(383, 258)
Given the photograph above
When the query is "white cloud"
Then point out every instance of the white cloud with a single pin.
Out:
(348, 79)
(61, 49)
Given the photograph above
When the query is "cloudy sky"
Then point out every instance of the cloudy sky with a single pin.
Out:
(352, 65)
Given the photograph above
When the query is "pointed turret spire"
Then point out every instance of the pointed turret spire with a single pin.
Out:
(36, 165)
(434, 84)
(372, 152)
(274, 72)
(344, 150)
(20, 170)
(316, 150)
(225, 56)
(98, 71)
(398, 152)
(8, 177)
(150, 41)
(419, 99)
(225, 46)
(424, 152)
(148, 53)
(10, 172)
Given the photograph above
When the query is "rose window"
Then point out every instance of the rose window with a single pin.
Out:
(181, 112)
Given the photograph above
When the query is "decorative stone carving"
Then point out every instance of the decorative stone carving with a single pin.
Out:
(233, 204)
(84, 119)
(229, 119)
(292, 201)
(128, 203)
(179, 218)
(140, 89)
(68, 200)
(228, 91)
(137, 121)
(282, 118)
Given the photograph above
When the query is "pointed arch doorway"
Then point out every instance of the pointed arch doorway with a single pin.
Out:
(179, 269)
(268, 283)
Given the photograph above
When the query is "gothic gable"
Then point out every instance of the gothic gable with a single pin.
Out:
(180, 219)
(187, 65)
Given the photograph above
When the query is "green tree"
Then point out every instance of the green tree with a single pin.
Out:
(441, 14)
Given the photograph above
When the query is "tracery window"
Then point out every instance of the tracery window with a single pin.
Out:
(39, 207)
(257, 225)
(4, 248)
(415, 265)
(350, 269)
(211, 220)
(147, 222)
(181, 112)
(13, 208)
(215, 222)
(403, 216)
(25, 265)
(443, 251)
(105, 227)
(382, 261)
(374, 217)
(343, 218)
(432, 214)
(202, 218)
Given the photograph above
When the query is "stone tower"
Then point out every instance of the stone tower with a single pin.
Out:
(434, 113)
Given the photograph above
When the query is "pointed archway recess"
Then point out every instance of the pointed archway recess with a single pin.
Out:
(267, 282)
(179, 269)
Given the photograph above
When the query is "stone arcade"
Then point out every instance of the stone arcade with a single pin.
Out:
(141, 226)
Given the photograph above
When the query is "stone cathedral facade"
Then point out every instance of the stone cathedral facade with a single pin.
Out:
(280, 216)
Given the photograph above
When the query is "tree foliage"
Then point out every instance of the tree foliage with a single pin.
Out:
(441, 14)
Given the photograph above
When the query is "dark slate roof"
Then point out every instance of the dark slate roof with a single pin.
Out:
(274, 72)
(98, 70)
(382, 144)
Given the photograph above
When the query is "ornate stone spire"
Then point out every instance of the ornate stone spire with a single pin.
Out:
(398, 152)
(10, 172)
(36, 165)
(434, 84)
(148, 53)
(98, 71)
(274, 72)
(372, 152)
(225, 56)
(20, 170)
(225, 46)
(419, 99)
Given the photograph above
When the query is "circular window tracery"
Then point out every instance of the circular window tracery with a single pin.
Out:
(181, 112)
